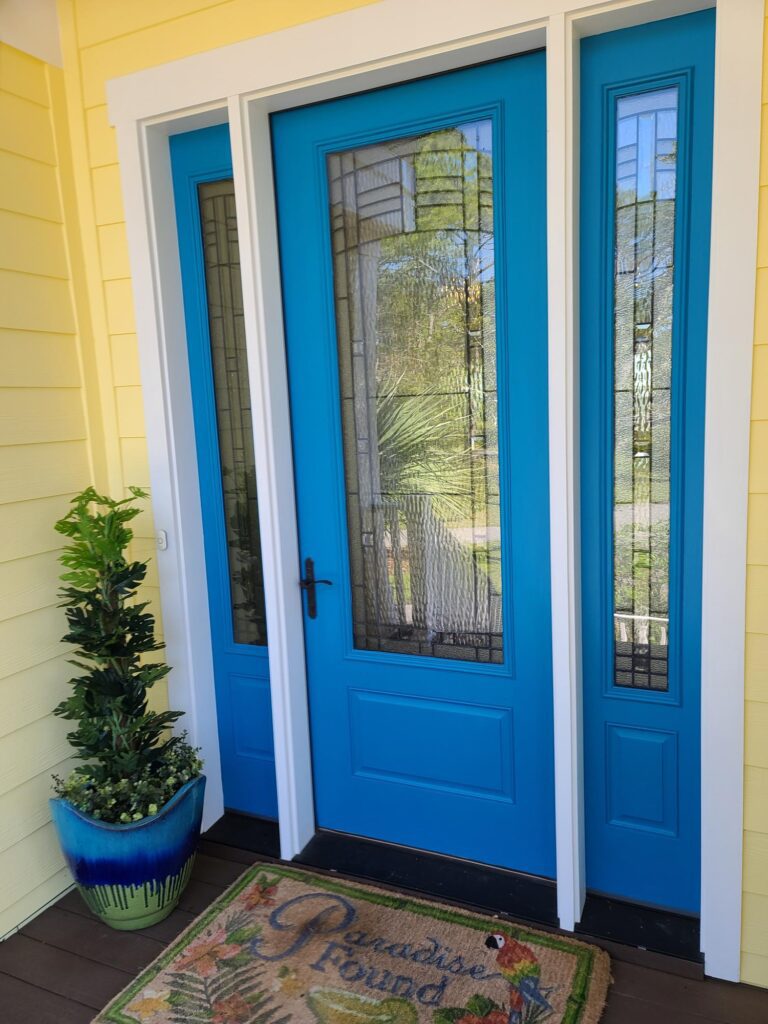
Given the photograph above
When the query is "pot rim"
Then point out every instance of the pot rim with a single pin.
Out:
(132, 825)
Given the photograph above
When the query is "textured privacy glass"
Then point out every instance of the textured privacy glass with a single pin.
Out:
(412, 224)
(233, 409)
(646, 166)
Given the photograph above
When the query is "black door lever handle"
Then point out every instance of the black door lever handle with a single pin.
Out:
(309, 584)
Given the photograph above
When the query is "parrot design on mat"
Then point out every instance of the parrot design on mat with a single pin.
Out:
(522, 970)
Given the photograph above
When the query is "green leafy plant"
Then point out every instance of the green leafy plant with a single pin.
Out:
(133, 763)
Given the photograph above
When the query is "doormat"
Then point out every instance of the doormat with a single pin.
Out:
(284, 946)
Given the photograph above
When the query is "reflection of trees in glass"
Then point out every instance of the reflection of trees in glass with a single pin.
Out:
(644, 279)
(415, 295)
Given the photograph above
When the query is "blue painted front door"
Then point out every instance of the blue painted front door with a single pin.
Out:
(412, 229)
(218, 371)
(646, 130)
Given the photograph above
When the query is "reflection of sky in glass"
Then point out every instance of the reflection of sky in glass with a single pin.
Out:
(646, 141)
(646, 154)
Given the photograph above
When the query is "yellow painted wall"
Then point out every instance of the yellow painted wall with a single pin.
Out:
(44, 459)
(754, 963)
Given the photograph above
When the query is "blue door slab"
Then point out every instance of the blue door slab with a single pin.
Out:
(423, 749)
(241, 670)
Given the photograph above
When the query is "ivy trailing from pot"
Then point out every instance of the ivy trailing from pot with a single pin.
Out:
(129, 814)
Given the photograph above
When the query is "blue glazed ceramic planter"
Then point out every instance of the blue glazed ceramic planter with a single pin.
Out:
(132, 875)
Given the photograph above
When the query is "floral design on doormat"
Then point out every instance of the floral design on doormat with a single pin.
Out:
(283, 946)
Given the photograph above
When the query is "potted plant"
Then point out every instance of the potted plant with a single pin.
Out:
(128, 817)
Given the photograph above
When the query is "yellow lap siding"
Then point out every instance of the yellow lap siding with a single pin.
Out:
(24, 809)
(757, 667)
(26, 527)
(130, 412)
(126, 369)
(29, 187)
(32, 245)
(107, 197)
(756, 863)
(30, 695)
(38, 747)
(119, 299)
(36, 303)
(102, 145)
(113, 249)
(26, 129)
(202, 29)
(23, 868)
(28, 584)
(33, 359)
(755, 928)
(41, 470)
(32, 415)
(23, 76)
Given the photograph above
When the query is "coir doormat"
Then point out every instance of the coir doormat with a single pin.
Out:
(284, 946)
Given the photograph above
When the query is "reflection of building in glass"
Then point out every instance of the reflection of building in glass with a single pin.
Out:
(412, 223)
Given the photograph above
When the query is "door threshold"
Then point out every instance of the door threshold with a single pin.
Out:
(246, 832)
(644, 927)
(648, 936)
(498, 890)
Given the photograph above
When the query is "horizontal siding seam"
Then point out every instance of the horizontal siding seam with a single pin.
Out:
(33, 611)
(20, 96)
(74, 439)
(26, 156)
(36, 664)
(29, 273)
(36, 554)
(148, 28)
(31, 216)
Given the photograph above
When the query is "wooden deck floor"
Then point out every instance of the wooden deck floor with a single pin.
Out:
(64, 965)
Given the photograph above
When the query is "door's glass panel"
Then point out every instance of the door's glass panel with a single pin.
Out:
(646, 177)
(221, 259)
(412, 225)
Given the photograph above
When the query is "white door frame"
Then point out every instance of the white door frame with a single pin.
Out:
(364, 48)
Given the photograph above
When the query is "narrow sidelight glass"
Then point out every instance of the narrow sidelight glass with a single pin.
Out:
(414, 282)
(644, 247)
(221, 258)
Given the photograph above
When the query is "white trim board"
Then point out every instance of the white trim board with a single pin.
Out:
(361, 49)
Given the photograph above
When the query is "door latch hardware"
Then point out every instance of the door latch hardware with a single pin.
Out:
(309, 584)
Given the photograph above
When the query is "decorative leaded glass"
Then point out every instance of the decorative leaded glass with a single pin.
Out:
(221, 258)
(412, 224)
(646, 168)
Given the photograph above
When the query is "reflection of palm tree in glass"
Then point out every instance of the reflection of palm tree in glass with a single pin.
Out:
(431, 422)
(414, 283)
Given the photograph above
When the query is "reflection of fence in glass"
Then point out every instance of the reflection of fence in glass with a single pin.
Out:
(221, 257)
(646, 178)
(412, 223)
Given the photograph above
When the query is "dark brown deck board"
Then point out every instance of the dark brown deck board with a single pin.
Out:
(709, 998)
(90, 938)
(65, 965)
(61, 972)
(21, 1003)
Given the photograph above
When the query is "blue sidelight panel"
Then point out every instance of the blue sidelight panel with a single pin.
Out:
(646, 158)
(208, 248)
